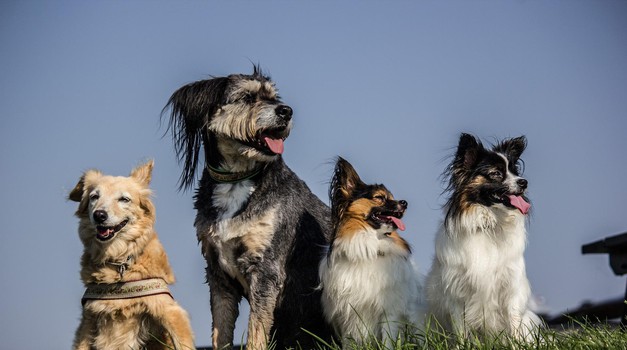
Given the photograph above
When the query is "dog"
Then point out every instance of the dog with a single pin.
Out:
(477, 283)
(370, 286)
(261, 229)
(127, 304)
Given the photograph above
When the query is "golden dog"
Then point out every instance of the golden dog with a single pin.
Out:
(127, 304)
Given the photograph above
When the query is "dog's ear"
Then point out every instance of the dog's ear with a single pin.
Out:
(513, 147)
(345, 180)
(468, 150)
(78, 192)
(191, 108)
(143, 173)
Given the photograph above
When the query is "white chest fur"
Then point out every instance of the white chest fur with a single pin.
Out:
(230, 233)
(370, 287)
(478, 278)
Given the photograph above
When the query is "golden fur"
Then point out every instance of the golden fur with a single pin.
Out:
(152, 322)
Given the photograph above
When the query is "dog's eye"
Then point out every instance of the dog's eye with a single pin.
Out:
(249, 98)
(379, 198)
(495, 174)
(94, 197)
(124, 200)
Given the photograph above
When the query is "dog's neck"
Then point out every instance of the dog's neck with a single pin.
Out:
(121, 266)
(361, 242)
(220, 175)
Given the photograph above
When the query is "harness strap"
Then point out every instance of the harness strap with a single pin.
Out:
(125, 290)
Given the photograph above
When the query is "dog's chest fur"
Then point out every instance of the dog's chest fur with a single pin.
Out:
(368, 283)
(238, 235)
(479, 256)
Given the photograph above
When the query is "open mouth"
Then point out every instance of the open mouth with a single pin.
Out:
(392, 218)
(270, 141)
(105, 233)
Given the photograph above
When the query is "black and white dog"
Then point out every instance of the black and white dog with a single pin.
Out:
(261, 229)
(478, 282)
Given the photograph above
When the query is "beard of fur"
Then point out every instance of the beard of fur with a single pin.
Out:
(236, 121)
(240, 123)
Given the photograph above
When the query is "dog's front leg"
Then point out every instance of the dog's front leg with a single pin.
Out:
(264, 291)
(225, 295)
(224, 298)
(174, 321)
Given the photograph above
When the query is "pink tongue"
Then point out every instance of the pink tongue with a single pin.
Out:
(105, 232)
(275, 145)
(520, 203)
(398, 223)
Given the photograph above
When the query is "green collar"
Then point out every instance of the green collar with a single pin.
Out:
(220, 175)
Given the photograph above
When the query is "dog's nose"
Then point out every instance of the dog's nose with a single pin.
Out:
(522, 183)
(284, 112)
(100, 216)
(403, 204)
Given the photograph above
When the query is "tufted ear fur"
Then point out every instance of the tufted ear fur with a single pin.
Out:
(191, 107)
(343, 184)
(143, 173)
(513, 147)
(468, 150)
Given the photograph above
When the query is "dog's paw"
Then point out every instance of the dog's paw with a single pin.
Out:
(249, 261)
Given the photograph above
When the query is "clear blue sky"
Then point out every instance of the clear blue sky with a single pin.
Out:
(387, 85)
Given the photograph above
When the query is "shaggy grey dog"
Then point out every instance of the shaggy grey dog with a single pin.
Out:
(261, 229)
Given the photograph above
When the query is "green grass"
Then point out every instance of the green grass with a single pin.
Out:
(578, 335)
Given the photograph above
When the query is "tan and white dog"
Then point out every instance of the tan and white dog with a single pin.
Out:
(127, 304)
(370, 287)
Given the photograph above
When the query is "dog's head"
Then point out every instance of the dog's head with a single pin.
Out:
(113, 207)
(239, 119)
(361, 204)
(488, 177)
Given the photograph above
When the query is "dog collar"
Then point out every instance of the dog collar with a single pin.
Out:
(122, 266)
(125, 290)
(222, 176)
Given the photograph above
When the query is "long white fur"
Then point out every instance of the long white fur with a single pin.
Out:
(478, 279)
(370, 287)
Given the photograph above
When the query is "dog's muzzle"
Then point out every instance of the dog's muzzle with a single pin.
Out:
(105, 233)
